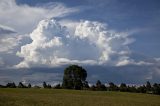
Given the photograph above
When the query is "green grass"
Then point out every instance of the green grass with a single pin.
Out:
(53, 97)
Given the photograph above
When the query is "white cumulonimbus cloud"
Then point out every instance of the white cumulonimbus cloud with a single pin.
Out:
(112, 46)
(92, 43)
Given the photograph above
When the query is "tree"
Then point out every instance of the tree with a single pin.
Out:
(148, 86)
(100, 86)
(58, 86)
(44, 85)
(2, 86)
(74, 77)
(49, 86)
(132, 89)
(142, 89)
(93, 88)
(29, 85)
(11, 85)
(156, 88)
(85, 85)
(20, 85)
(123, 87)
(112, 87)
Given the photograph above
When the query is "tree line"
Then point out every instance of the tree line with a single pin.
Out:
(75, 78)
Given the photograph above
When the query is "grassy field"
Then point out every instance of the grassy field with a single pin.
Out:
(52, 97)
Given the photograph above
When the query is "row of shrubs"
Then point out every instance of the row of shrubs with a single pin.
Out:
(147, 88)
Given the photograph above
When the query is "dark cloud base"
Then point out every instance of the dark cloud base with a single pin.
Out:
(126, 74)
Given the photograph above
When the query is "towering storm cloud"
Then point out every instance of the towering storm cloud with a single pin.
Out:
(92, 43)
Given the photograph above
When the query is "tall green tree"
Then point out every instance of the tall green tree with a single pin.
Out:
(74, 77)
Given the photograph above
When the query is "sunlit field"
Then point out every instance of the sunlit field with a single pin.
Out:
(53, 97)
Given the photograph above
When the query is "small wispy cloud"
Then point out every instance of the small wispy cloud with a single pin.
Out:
(1, 62)
(4, 30)
(23, 18)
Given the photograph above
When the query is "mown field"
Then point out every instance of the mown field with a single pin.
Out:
(53, 97)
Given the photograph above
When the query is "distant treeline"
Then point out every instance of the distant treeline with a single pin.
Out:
(146, 88)
(75, 78)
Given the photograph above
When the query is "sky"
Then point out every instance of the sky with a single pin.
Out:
(115, 41)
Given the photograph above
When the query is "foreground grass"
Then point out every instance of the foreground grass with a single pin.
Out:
(52, 97)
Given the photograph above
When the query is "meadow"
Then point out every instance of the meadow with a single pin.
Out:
(61, 97)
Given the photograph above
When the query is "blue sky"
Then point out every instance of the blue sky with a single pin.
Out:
(118, 38)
